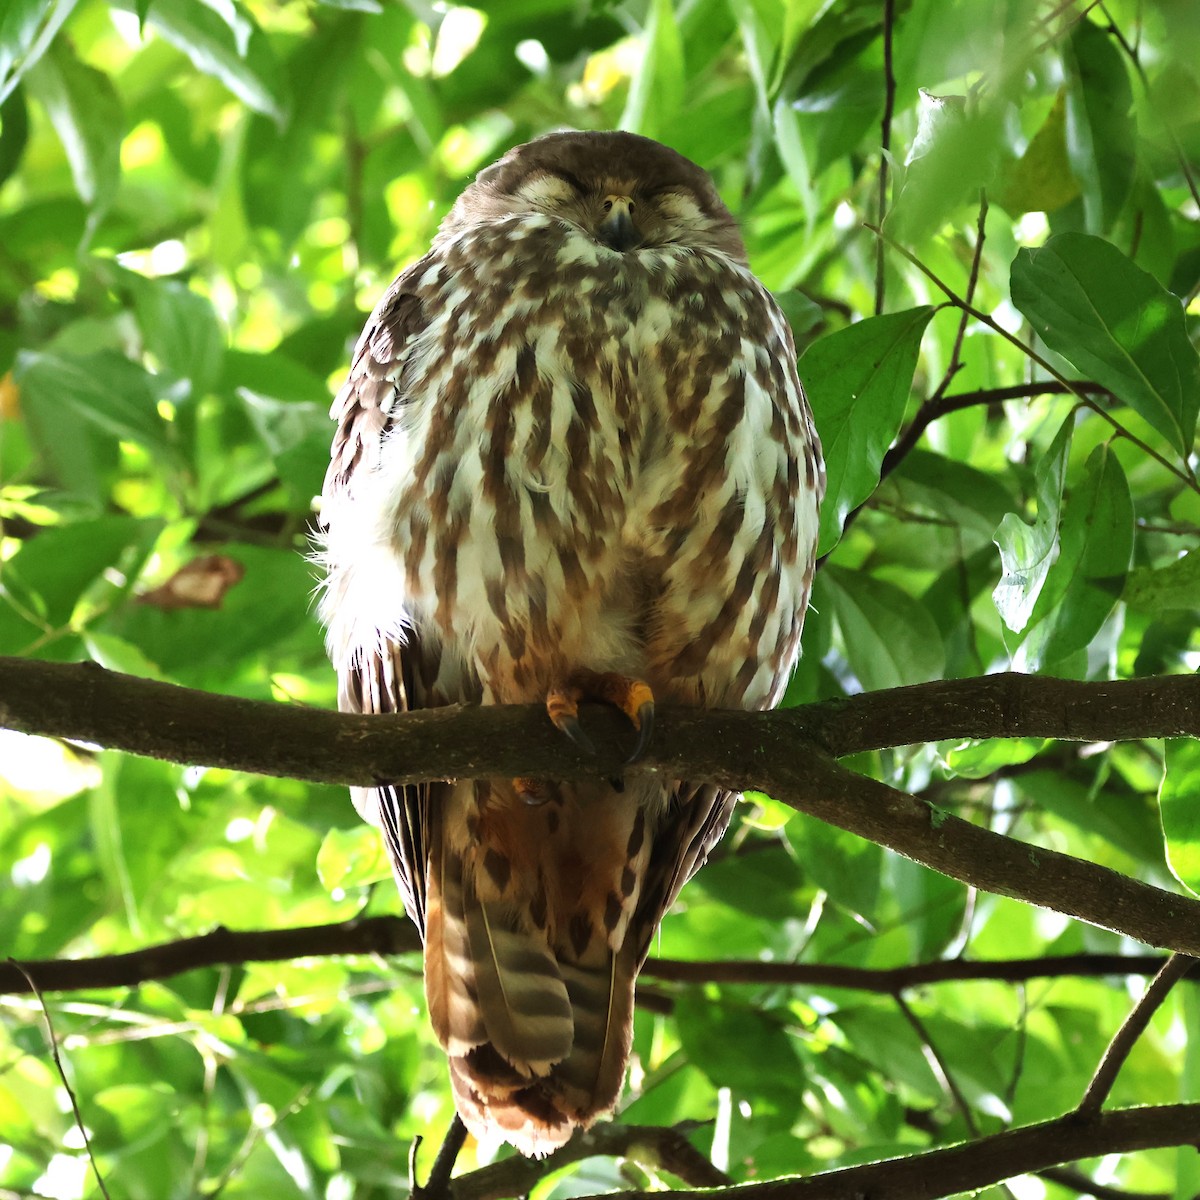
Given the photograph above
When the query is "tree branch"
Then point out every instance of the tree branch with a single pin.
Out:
(1132, 1028)
(392, 935)
(664, 1148)
(984, 1161)
(221, 947)
(84, 702)
(780, 753)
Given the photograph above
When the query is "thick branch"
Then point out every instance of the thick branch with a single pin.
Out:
(779, 753)
(84, 702)
(984, 1161)
(389, 935)
(665, 1148)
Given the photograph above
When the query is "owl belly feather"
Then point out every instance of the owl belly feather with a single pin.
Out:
(611, 489)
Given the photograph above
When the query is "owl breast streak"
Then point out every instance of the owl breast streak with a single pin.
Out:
(595, 466)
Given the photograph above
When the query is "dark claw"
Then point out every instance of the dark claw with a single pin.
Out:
(571, 727)
(645, 731)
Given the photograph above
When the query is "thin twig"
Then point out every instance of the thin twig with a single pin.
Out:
(889, 104)
(62, 1074)
(438, 1186)
(937, 1064)
(1079, 1182)
(1132, 1028)
(1034, 356)
(955, 363)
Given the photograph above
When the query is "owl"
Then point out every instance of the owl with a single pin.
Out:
(573, 462)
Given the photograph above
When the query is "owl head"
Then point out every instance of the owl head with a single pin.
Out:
(627, 192)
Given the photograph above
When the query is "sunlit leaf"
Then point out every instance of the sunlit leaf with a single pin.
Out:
(1180, 810)
(83, 106)
(1086, 580)
(1027, 551)
(27, 28)
(858, 381)
(1116, 324)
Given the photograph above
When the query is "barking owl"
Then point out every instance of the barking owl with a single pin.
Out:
(573, 462)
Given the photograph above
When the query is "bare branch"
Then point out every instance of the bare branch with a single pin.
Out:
(663, 1148)
(1132, 1028)
(62, 1074)
(220, 947)
(780, 753)
(84, 702)
(984, 1161)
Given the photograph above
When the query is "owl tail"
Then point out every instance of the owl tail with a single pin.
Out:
(537, 1035)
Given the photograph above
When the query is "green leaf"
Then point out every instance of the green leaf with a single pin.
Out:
(83, 107)
(1095, 543)
(1041, 179)
(1027, 551)
(890, 638)
(858, 380)
(729, 1042)
(352, 858)
(1162, 589)
(843, 864)
(1099, 124)
(27, 27)
(978, 760)
(105, 390)
(1116, 324)
(224, 41)
(51, 572)
(1179, 804)
(14, 132)
(955, 153)
(657, 89)
(180, 329)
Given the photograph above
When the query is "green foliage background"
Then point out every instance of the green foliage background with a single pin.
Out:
(200, 200)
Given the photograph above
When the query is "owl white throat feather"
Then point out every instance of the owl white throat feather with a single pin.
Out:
(573, 462)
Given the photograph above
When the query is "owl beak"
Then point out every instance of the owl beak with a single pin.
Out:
(617, 230)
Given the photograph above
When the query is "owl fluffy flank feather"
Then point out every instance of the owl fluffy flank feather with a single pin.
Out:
(572, 438)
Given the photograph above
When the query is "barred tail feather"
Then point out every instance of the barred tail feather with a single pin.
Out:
(539, 1113)
(450, 987)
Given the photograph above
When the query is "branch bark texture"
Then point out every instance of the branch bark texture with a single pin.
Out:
(984, 1161)
(789, 754)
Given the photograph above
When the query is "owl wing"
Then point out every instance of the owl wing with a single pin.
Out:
(378, 673)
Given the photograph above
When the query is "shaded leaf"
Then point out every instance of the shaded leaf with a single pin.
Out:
(890, 638)
(14, 132)
(1162, 589)
(1099, 124)
(1041, 179)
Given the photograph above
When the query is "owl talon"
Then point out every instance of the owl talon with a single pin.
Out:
(569, 724)
(644, 720)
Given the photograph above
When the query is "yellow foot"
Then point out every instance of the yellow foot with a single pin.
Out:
(535, 792)
(632, 696)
